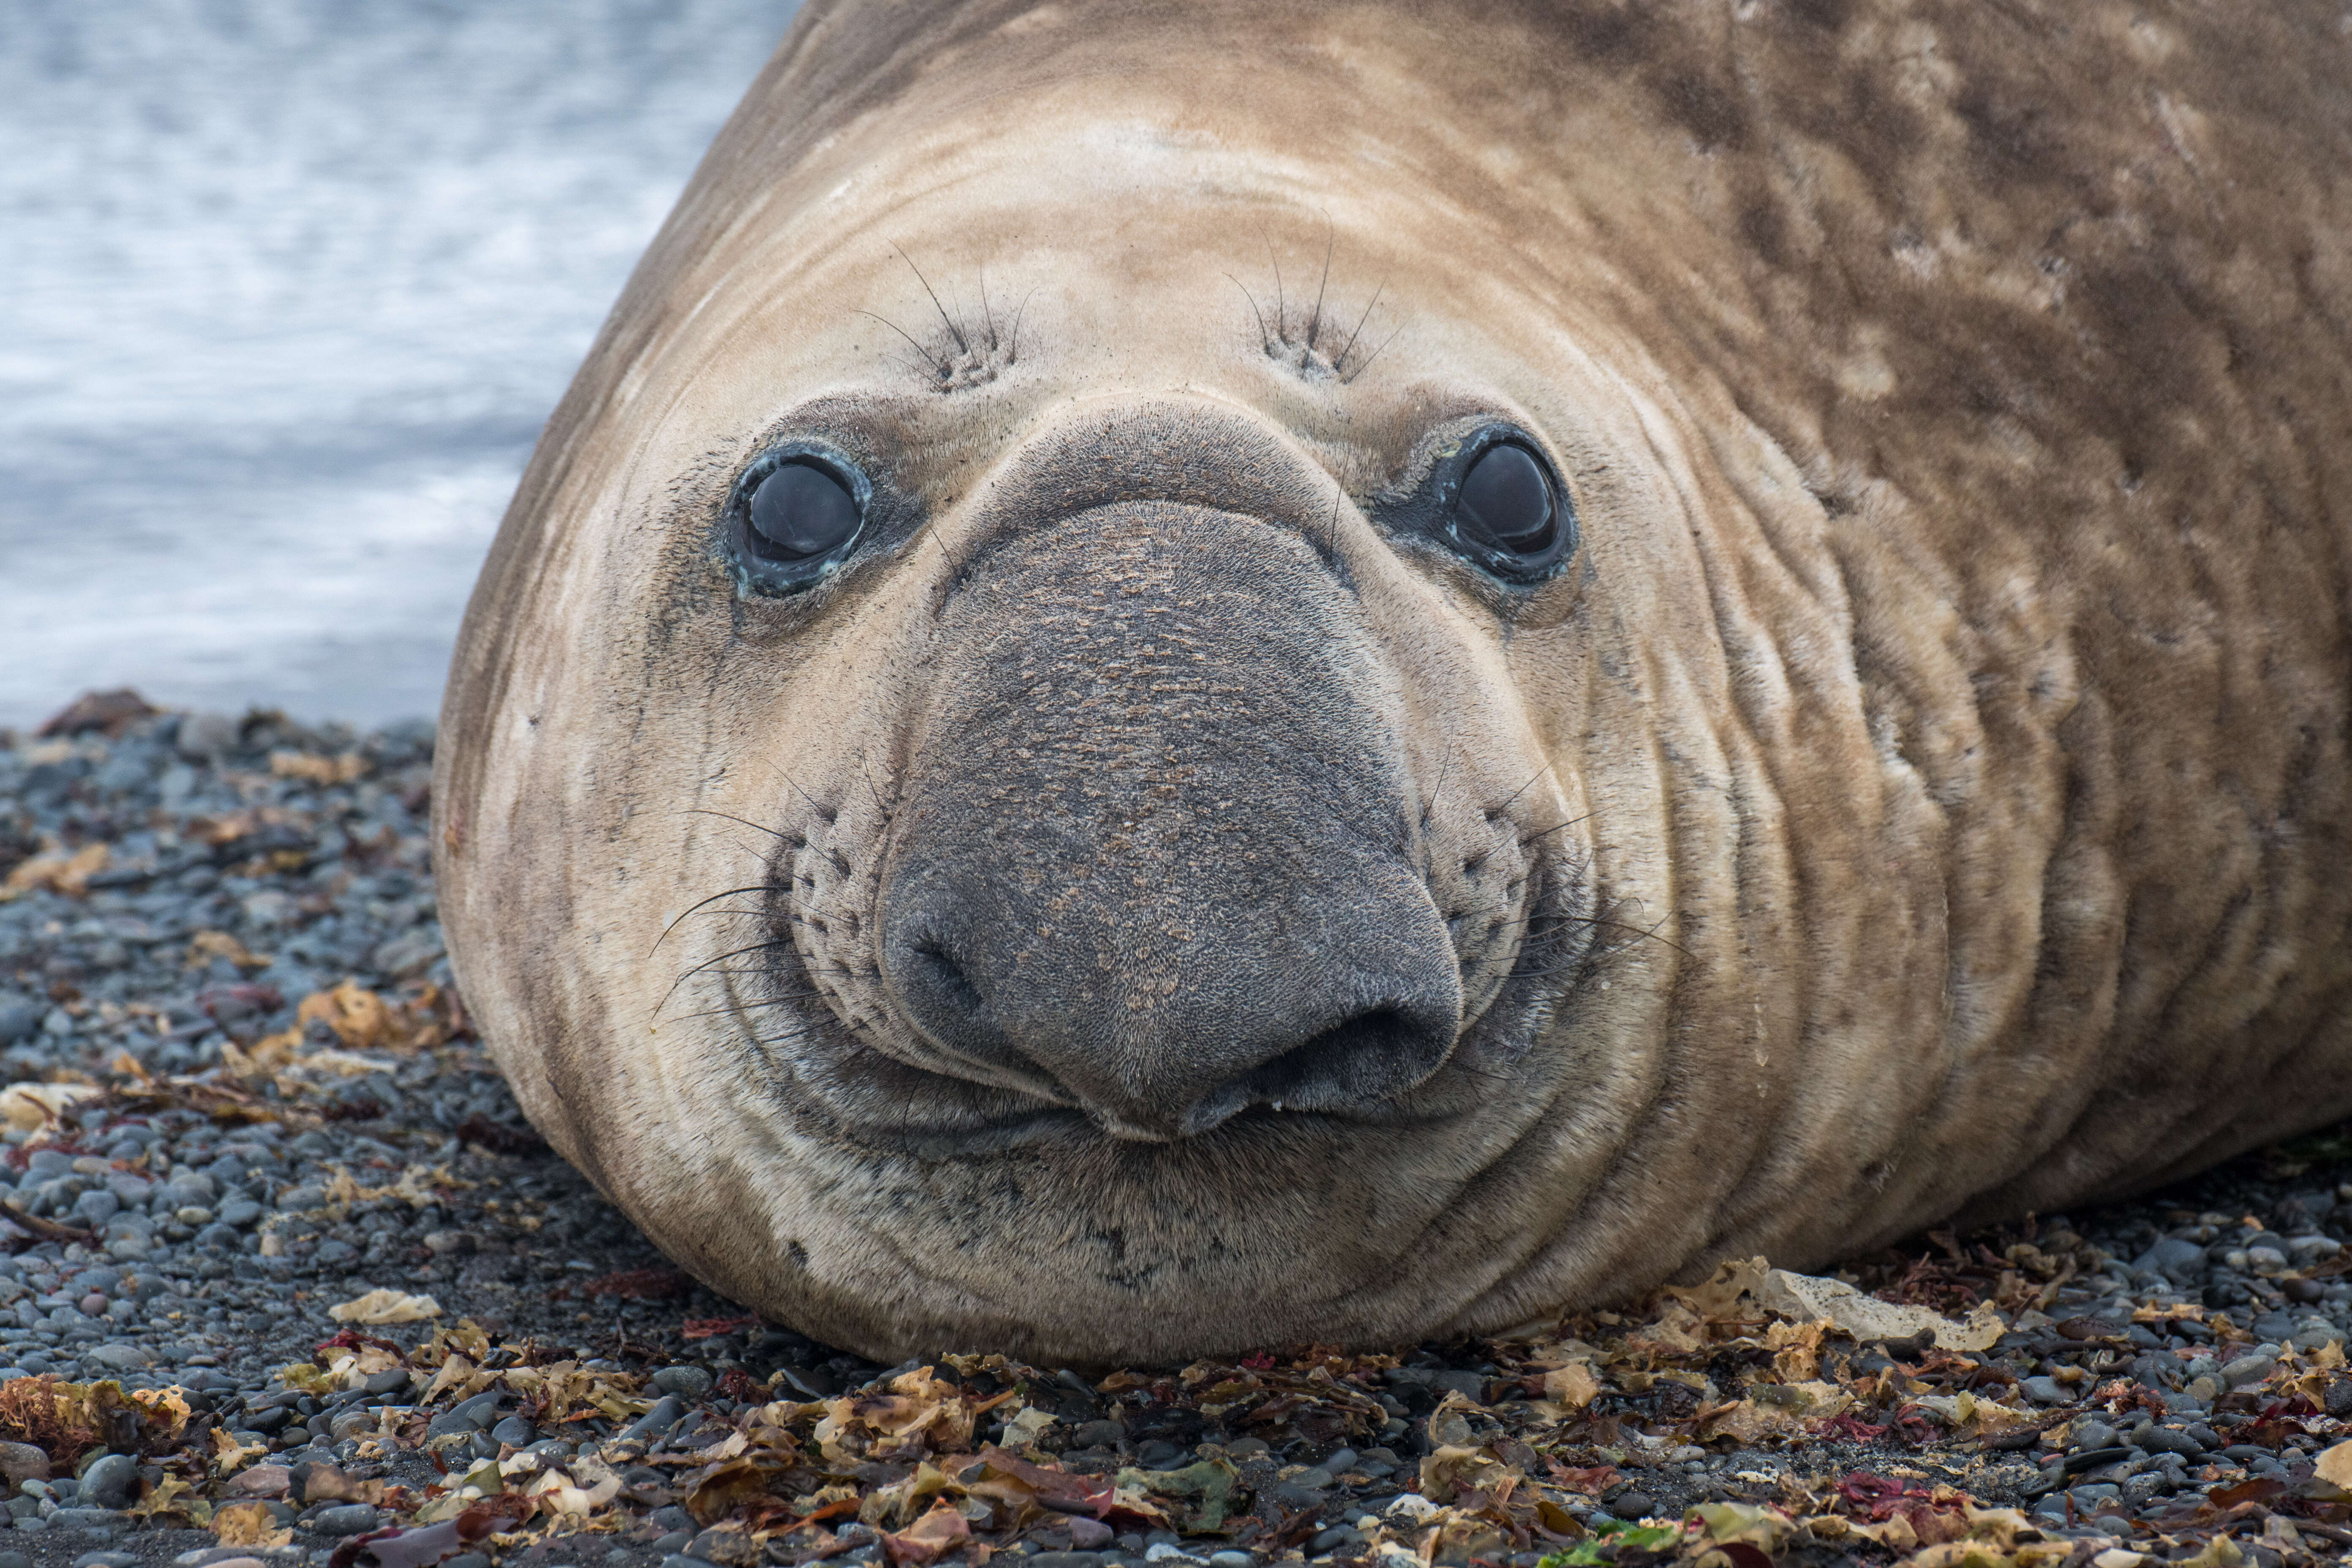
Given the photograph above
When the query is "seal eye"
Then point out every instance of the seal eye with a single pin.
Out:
(1506, 502)
(801, 512)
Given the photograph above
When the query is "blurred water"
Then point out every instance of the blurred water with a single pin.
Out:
(286, 288)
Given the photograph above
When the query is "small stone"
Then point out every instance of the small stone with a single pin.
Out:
(19, 1017)
(2164, 1440)
(97, 1206)
(2248, 1369)
(21, 1462)
(346, 1518)
(1633, 1505)
(1097, 1435)
(240, 1211)
(1086, 1560)
(723, 1546)
(207, 737)
(80, 1517)
(2044, 1390)
(393, 1380)
(673, 1542)
(1088, 1534)
(109, 1481)
(2090, 1434)
(687, 1382)
(119, 1357)
(105, 1560)
(466, 1560)
(514, 1429)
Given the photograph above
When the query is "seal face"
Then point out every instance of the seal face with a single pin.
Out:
(1759, 660)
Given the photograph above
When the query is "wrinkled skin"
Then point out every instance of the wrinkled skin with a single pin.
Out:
(1157, 898)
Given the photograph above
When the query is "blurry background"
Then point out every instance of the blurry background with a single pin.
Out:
(286, 289)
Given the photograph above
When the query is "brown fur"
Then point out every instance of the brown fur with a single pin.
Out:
(1948, 715)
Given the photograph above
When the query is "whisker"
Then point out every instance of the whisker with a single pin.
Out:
(936, 363)
(1264, 339)
(1499, 808)
(1315, 323)
(1555, 827)
(1359, 324)
(711, 900)
(953, 330)
(1013, 353)
(706, 811)
(1280, 310)
(1349, 380)
(721, 958)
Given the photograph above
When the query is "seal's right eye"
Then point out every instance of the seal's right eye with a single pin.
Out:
(800, 512)
(797, 514)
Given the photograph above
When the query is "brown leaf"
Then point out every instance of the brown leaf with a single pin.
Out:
(938, 1533)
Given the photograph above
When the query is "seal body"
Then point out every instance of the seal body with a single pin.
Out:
(1413, 663)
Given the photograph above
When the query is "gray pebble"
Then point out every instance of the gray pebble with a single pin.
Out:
(81, 1518)
(2091, 1434)
(2044, 1390)
(688, 1382)
(514, 1429)
(109, 1481)
(709, 1544)
(346, 1518)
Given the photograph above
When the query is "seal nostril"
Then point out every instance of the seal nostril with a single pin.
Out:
(948, 981)
(1378, 1052)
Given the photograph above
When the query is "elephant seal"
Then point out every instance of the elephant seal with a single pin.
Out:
(1194, 676)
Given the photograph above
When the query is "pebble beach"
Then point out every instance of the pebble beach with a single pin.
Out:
(285, 1278)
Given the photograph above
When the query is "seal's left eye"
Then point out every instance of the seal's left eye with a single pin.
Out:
(801, 511)
(1505, 501)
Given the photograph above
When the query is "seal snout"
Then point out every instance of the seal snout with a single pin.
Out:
(1156, 1041)
(1154, 860)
